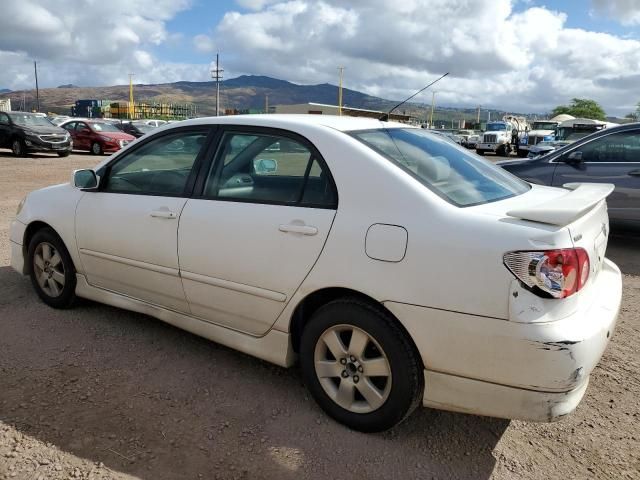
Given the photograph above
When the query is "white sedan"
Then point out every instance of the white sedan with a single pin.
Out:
(395, 266)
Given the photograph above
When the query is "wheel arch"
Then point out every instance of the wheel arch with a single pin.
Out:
(313, 301)
(31, 230)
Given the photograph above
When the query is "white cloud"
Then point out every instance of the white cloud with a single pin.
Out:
(88, 43)
(627, 12)
(203, 43)
(524, 60)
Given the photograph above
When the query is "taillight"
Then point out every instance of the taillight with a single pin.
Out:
(559, 273)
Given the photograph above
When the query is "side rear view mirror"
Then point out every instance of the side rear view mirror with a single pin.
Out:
(85, 179)
(574, 157)
(265, 165)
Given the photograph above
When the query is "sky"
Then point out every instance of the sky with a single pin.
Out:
(516, 55)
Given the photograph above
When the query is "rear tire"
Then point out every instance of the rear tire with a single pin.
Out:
(18, 147)
(360, 367)
(96, 148)
(51, 269)
(480, 152)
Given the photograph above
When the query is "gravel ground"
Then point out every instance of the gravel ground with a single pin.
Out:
(97, 392)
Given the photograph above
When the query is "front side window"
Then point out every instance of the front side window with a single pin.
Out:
(70, 127)
(617, 147)
(159, 167)
(4, 120)
(457, 176)
(264, 168)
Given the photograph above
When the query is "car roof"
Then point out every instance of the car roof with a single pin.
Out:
(283, 120)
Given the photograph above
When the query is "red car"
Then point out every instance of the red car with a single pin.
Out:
(96, 136)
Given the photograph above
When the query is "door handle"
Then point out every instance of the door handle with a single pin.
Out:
(302, 229)
(163, 214)
(635, 173)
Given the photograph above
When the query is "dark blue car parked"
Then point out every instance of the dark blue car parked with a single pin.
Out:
(607, 156)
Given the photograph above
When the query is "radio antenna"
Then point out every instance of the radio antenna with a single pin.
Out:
(385, 116)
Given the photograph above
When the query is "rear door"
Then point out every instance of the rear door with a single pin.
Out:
(245, 245)
(611, 158)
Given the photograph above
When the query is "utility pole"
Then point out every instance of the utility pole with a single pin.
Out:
(341, 70)
(433, 104)
(266, 103)
(216, 74)
(131, 104)
(35, 69)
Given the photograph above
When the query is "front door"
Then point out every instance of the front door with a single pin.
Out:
(613, 158)
(5, 130)
(127, 230)
(248, 242)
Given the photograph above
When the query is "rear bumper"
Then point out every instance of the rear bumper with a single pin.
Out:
(502, 368)
(465, 395)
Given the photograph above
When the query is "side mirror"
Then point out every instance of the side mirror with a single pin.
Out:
(265, 165)
(85, 179)
(574, 157)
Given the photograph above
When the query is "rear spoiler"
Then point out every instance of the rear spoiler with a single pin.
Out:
(567, 208)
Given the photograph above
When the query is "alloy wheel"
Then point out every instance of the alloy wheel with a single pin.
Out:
(48, 268)
(352, 368)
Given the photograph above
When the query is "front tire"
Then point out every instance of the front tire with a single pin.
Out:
(96, 148)
(51, 269)
(480, 152)
(64, 154)
(18, 148)
(360, 367)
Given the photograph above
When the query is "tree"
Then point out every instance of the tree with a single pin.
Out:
(581, 108)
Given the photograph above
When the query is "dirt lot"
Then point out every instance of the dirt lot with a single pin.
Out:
(97, 392)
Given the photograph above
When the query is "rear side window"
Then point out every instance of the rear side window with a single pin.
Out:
(262, 168)
(459, 177)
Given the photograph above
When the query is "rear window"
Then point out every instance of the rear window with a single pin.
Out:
(461, 178)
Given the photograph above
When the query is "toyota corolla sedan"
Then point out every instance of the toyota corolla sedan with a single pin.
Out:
(397, 268)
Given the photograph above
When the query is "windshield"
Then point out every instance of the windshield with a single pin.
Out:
(543, 126)
(495, 127)
(143, 127)
(457, 176)
(30, 120)
(103, 127)
(572, 133)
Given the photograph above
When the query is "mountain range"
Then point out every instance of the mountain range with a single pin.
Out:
(246, 92)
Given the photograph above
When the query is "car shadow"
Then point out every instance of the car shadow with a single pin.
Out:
(149, 400)
(624, 249)
(9, 154)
